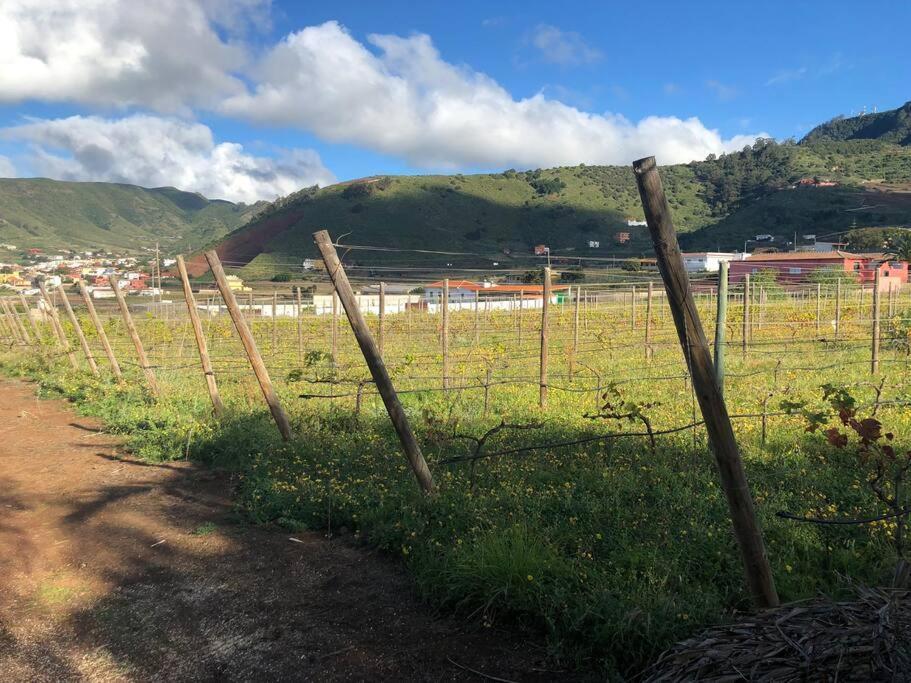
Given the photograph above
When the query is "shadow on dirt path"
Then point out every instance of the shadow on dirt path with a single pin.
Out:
(114, 569)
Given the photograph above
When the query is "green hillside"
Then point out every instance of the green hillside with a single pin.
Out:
(716, 203)
(53, 214)
(889, 126)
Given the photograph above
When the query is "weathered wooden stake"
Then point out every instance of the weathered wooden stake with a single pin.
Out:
(818, 307)
(575, 347)
(13, 330)
(648, 321)
(874, 351)
(23, 331)
(274, 345)
(444, 331)
(99, 328)
(721, 318)
(28, 314)
(632, 309)
(374, 361)
(207, 369)
(746, 314)
(246, 338)
(545, 307)
(714, 412)
(521, 311)
(134, 336)
(58, 328)
(80, 335)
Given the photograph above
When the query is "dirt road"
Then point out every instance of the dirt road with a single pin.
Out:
(115, 569)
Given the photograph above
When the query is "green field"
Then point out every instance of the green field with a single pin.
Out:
(609, 546)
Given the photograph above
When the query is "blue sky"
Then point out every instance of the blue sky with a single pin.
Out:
(249, 99)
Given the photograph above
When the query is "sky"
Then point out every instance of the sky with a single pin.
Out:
(251, 99)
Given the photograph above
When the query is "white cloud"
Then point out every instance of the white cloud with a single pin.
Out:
(166, 54)
(405, 100)
(154, 151)
(566, 48)
(7, 170)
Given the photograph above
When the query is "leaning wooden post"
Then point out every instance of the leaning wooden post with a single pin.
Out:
(7, 316)
(207, 370)
(58, 328)
(721, 316)
(632, 309)
(23, 332)
(28, 314)
(444, 303)
(374, 361)
(246, 338)
(80, 335)
(99, 328)
(746, 314)
(714, 412)
(545, 307)
(381, 332)
(874, 351)
(648, 321)
(134, 336)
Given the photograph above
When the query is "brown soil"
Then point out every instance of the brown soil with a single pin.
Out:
(117, 569)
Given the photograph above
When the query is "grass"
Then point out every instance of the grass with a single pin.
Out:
(607, 549)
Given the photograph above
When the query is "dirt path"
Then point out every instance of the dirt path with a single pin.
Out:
(114, 569)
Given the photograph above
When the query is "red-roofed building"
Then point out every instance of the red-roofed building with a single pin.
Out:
(796, 266)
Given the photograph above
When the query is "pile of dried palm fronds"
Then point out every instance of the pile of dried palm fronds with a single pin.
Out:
(867, 639)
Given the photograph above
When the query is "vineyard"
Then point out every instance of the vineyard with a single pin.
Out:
(597, 518)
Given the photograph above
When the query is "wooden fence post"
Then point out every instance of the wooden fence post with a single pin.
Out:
(201, 346)
(374, 361)
(18, 320)
(134, 336)
(521, 311)
(837, 307)
(648, 321)
(545, 307)
(818, 307)
(714, 412)
(246, 338)
(632, 309)
(58, 328)
(99, 328)
(721, 317)
(746, 314)
(80, 335)
(575, 346)
(274, 344)
(444, 310)
(14, 334)
(874, 352)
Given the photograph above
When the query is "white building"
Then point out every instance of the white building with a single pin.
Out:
(709, 261)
